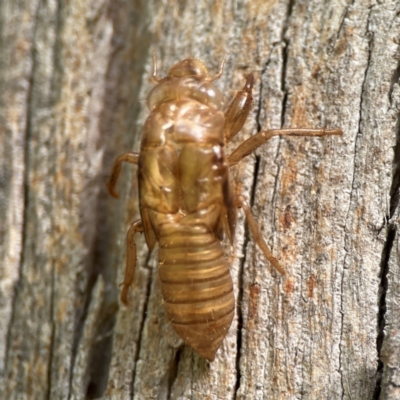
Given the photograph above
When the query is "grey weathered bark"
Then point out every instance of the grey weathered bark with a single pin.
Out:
(73, 77)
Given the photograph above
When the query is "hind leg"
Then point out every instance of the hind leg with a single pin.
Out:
(136, 227)
(257, 235)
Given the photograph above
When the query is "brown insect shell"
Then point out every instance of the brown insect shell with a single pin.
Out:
(185, 201)
(175, 112)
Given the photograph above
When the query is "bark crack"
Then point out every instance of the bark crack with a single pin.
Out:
(254, 186)
(239, 313)
(390, 238)
(395, 187)
(53, 319)
(383, 287)
(26, 185)
(369, 35)
(341, 333)
(345, 13)
(125, 60)
(142, 323)
(285, 61)
(246, 242)
(394, 80)
(173, 373)
(53, 330)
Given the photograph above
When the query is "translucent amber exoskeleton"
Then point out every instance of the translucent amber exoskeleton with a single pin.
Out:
(187, 203)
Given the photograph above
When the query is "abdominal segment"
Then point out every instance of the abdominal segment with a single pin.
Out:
(197, 290)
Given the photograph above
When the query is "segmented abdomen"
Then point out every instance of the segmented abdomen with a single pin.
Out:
(197, 289)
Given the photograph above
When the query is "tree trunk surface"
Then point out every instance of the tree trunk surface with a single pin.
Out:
(73, 79)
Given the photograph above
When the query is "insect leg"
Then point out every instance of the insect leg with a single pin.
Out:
(255, 141)
(257, 236)
(239, 109)
(135, 227)
(131, 158)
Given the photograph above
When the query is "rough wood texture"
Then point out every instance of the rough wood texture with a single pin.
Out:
(72, 79)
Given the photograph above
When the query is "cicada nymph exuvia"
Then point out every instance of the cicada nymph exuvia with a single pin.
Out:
(187, 202)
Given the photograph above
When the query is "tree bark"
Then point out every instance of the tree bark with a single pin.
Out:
(73, 79)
